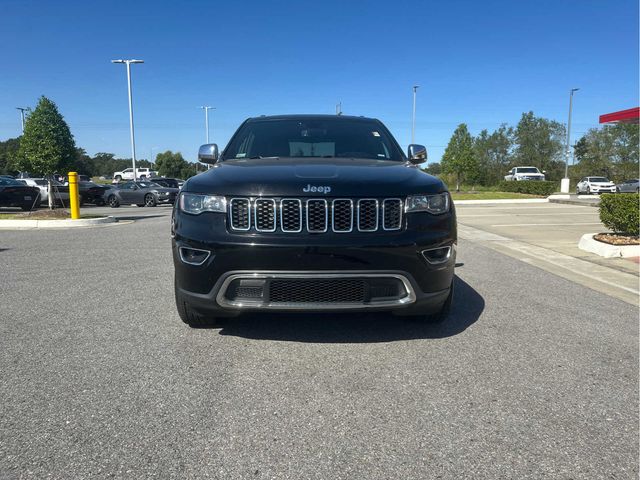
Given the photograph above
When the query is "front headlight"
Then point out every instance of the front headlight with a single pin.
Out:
(195, 204)
(434, 204)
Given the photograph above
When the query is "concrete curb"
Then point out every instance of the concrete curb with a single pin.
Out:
(66, 223)
(589, 244)
(582, 203)
(500, 200)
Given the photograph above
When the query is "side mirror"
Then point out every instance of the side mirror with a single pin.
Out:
(417, 154)
(544, 171)
(208, 153)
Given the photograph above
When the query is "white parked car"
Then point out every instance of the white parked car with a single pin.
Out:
(60, 192)
(517, 174)
(590, 185)
(127, 174)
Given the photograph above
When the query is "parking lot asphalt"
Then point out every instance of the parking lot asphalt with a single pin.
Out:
(533, 376)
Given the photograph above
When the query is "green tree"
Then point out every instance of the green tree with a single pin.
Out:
(539, 143)
(171, 164)
(83, 163)
(47, 145)
(611, 151)
(433, 168)
(8, 154)
(189, 170)
(459, 158)
(493, 154)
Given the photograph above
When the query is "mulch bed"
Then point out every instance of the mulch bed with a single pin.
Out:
(617, 239)
(57, 214)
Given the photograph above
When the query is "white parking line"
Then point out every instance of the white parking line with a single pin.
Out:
(527, 214)
(542, 224)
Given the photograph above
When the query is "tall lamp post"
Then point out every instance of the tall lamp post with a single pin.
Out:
(206, 120)
(133, 141)
(413, 120)
(22, 110)
(564, 184)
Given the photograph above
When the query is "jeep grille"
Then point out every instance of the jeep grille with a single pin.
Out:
(315, 215)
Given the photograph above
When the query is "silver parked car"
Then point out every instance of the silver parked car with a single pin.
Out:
(143, 194)
(628, 186)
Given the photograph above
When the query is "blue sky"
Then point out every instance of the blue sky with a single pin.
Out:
(482, 63)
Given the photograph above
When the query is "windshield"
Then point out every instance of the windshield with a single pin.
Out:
(147, 185)
(528, 170)
(599, 179)
(313, 137)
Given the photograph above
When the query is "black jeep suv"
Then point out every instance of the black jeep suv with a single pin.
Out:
(313, 213)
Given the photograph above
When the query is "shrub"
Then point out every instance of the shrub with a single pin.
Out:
(620, 212)
(531, 187)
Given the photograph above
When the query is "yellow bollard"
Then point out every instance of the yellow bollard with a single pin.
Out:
(74, 197)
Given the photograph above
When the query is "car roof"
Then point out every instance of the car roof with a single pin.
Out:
(307, 116)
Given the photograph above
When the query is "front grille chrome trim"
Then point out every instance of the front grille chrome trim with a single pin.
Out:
(231, 202)
(377, 214)
(255, 214)
(284, 210)
(333, 216)
(282, 222)
(384, 206)
(326, 215)
(221, 299)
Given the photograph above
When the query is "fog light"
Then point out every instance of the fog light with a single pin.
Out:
(438, 255)
(194, 256)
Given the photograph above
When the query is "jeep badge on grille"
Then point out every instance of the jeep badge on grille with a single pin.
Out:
(318, 189)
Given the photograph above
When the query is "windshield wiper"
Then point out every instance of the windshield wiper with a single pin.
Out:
(259, 157)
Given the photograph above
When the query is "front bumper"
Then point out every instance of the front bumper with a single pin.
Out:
(385, 254)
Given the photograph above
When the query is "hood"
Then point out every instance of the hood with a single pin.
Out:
(602, 184)
(304, 177)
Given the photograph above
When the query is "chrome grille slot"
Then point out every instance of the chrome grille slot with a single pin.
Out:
(317, 216)
(240, 214)
(342, 215)
(265, 215)
(291, 215)
(392, 214)
(367, 214)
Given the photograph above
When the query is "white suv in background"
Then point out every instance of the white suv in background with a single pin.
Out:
(141, 174)
(517, 174)
(590, 185)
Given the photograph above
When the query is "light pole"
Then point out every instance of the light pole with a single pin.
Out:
(22, 110)
(413, 121)
(564, 184)
(133, 141)
(206, 120)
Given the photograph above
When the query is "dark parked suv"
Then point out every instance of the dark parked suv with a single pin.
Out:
(313, 213)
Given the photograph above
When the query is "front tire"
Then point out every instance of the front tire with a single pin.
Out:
(150, 200)
(189, 315)
(118, 178)
(113, 201)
